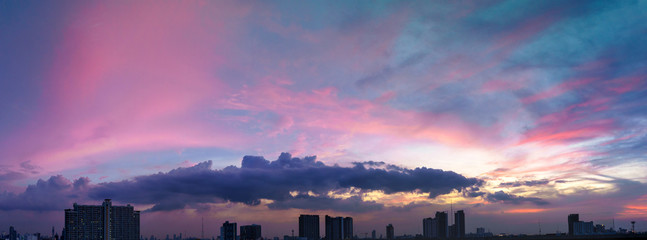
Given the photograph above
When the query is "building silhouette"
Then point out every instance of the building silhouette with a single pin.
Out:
(250, 232)
(102, 222)
(452, 230)
(572, 218)
(373, 235)
(442, 228)
(438, 227)
(13, 235)
(390, 234)
(428, 228)
(228, 231)
(480, 231)
(309, 227)
(333, 228)
(582, 228)
(339, 228)
(459, 224)
(348, 228)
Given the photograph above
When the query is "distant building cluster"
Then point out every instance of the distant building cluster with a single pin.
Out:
(108, 222)
(228, 231)
(339, 228)
(336, 228)
(438, 227)
(103, 221)
(250, 232)
(579, 228)
(13, 234)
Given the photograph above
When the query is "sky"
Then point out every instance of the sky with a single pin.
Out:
(517, 112)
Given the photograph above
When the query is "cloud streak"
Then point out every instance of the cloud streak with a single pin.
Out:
(507, 198)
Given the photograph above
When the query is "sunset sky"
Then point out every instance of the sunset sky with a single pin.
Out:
(518, 112)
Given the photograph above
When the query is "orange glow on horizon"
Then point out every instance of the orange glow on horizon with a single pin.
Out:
(526, 210)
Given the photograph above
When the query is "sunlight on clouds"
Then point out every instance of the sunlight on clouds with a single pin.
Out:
(467, 161)
(588, 185)
(637, 207)
(636, 171)
(526, 210)
(403, 199)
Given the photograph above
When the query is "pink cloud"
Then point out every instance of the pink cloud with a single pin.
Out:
(130, 78)
(558, 90)
(625, 84)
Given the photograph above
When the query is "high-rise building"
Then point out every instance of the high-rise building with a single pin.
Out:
(442, 228)
(572, 218)
(250, 232)
(102, 222)
(309, 226)
(582, 228)
(459, 223)
(339, 228)
(426, 228)
(373, 235)
(390, 234)
(452, 230)
(334, 228)
(347, 230)
(228, 231)
(13, 235)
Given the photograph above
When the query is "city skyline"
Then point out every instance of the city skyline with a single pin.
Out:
(107, 221)
(518, 112)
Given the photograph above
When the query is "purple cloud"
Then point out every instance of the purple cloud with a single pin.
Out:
(258, 179)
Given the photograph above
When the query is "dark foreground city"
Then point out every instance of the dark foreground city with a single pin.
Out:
(107, 221)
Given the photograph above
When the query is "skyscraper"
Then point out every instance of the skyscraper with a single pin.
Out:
(390, 234)
(228, 231)
(250, 232)
(572, 218)
(334, 228)
(373, 234)
(339, 228)
(442, 228)
(13, 235)
(452, 231)
(348, 228)
(426, 227)
(309, 226)
(459, 223)
(102, 222)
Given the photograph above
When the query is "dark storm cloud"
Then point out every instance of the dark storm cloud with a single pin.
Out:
(258, 179)
(369, 164)
(56, 193)
(473, 192)
(507, 198)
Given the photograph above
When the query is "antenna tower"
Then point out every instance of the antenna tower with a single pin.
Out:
(451, 209)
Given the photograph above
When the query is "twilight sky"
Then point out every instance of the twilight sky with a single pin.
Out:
(518, 112)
